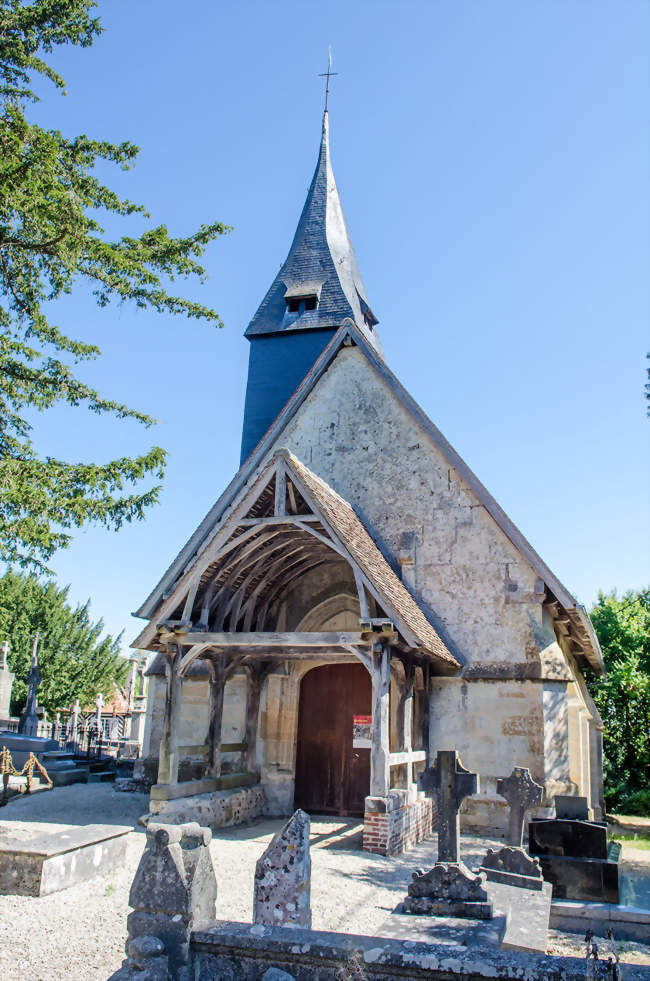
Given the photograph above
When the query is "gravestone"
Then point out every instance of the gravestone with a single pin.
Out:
(174, 891)
(448, 782)
(522, 793)
(28, 722)
(576, 858)
(513, 867)
(282, 892)
(449, 889)
(571, 808)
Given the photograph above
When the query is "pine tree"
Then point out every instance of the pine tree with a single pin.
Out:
(51, 242)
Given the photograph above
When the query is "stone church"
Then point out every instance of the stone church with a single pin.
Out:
(355, 600)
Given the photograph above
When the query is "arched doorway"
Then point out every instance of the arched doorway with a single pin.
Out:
(333, 751)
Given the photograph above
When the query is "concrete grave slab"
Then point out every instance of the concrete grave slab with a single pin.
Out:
(49, 863)
(527, 915)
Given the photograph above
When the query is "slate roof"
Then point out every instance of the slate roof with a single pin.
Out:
(321, 260)
(393, 594)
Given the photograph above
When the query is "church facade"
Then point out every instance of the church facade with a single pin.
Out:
(356, 600)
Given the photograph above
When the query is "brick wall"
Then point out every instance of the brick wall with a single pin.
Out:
(393, 824)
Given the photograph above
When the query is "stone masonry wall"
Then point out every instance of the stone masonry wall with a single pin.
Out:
(393, 825)
(478, 591)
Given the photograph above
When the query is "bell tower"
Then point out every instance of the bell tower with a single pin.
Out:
(317, 288)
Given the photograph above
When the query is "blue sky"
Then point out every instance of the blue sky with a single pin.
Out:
(492, 159)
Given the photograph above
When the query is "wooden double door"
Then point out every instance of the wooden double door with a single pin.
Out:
(333, 752)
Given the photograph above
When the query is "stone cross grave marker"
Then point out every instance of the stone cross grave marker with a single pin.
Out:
(28, 722)
(73, 720)
(448, 782)
(522, 793)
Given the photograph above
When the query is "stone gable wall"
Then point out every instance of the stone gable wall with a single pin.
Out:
(478, 591)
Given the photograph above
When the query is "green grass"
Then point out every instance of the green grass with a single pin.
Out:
(636, 840)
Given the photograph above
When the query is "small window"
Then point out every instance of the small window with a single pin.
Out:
(298, 304)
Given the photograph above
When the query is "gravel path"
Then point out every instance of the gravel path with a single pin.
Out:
(80, 932)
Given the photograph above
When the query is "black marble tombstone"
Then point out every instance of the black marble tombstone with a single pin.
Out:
(576, 858)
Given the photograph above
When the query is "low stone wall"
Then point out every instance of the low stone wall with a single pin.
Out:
(219, 809)
(394, 824)
(244, 952)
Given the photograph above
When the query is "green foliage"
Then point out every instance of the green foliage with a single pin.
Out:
(74, 659)
(51, 240)
(623, 698)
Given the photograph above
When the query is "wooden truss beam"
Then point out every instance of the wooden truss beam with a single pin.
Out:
(266, 639)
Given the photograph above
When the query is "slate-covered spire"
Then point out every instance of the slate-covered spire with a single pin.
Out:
(318, 287)
(319, 284)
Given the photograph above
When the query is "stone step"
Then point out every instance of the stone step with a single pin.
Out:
(62, 778)
(101, 776)
(60, 754)
(101, 764)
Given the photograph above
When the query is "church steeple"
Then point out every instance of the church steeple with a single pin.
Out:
(319, 284)
(317, 288)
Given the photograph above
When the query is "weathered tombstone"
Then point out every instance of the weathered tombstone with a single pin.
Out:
(449, 889)
(513, 867)
(522, 793)
(28, 722)
(174, 890)
(283, 877)
(448, 782)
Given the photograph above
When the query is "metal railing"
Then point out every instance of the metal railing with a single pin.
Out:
(84, 739)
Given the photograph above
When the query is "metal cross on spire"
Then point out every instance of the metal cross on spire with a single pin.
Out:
(328, 74)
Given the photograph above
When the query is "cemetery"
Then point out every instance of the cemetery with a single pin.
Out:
(364, 732)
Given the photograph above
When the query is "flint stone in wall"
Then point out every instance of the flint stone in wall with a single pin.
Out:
(283, 877)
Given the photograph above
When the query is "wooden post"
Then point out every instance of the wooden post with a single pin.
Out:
(217, 685)
(407, 721)
(426, 714)
(252, 716)
(380, 750)
(168, 760)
